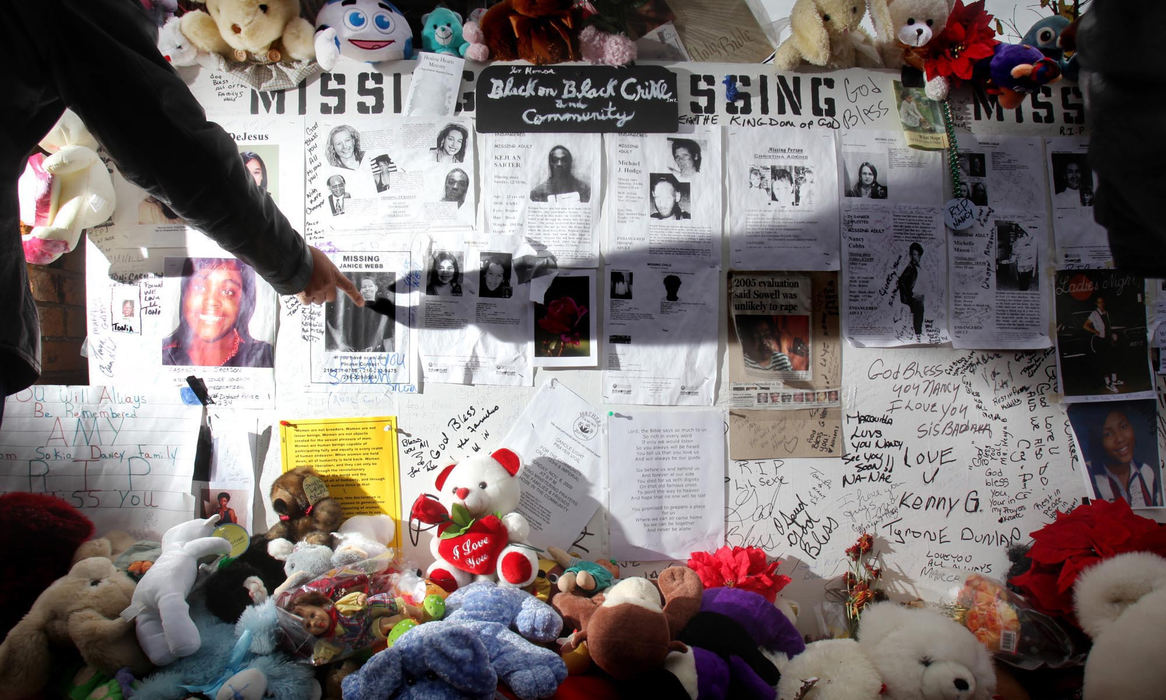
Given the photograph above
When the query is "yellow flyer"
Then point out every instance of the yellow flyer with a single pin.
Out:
(356, 457)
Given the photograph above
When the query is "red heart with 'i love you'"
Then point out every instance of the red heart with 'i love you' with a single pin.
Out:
(476, 550)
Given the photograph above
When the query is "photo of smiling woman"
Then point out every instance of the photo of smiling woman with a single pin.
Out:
(1118, 441)
(215, 309)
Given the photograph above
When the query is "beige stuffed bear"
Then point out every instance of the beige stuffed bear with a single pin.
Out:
(79, 609)
(263, 31)
(826, 33)
(903, 28)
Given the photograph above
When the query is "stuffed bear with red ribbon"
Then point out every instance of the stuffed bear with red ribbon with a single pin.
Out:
(479, 534)
(307, 512)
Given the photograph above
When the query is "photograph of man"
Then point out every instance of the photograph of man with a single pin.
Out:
(495, 273)
(621, 284)
(382, 168)
(685, 157)
(913, 299)
(671, 288)
(561, 184)
(667, 195)
(1119, 442)
(781, 188)
(351, 328)
(1016, 257)
(457, 185)
(1072, 181)
(337, 195)
(215, 309)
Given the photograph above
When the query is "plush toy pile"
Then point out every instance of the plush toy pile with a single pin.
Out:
(355, 621)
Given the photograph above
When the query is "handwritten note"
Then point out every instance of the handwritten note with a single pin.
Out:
(590, 99)
(125, 459)
(670, 501)
(955, 455)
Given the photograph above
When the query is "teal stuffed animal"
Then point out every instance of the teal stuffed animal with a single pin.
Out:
(442, 32)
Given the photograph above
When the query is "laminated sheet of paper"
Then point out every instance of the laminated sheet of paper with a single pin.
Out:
(998, 264)
(894, 251)
(663, 197)
(783, 203)
(559, 437)
(785, 365)
(1102, 337)
(356, 459)
(565, 320)
(661, 331)
(670, 467)
(230, 492)
(545, 188)
(474, 312)
(1081, 241)
(124, 458)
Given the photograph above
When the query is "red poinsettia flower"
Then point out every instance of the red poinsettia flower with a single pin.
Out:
(739, 567)
(967, 38)
(1076, 541)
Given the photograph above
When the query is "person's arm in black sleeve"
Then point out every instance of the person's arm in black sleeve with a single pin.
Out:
(1125, 101)
(104, 63)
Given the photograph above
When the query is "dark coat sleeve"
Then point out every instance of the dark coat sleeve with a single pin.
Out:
(103, 62)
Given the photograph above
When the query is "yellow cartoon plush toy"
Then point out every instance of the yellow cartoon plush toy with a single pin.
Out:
(257, 31)
(826, 33)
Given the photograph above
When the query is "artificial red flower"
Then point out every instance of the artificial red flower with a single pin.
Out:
(563, 315)
(1077, 540)
(967, 38)
(739, 567)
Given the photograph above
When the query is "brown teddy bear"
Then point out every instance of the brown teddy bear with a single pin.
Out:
(306, 512)
(80, 609)
(540, 31)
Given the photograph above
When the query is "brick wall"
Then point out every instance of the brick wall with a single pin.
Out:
(59, 290)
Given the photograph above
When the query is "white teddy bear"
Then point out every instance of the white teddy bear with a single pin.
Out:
(477, 527)
(164, 627)
(903, 27)
(901, 654)
(1121, 604)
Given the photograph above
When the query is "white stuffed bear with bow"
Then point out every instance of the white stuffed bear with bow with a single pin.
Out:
(63, 193)
(164, 627)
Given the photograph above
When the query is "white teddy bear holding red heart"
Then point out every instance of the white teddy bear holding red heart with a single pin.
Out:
(479, 534)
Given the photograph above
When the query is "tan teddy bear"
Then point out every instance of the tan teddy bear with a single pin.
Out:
(826, 33)
(263, 31)
(80, 609)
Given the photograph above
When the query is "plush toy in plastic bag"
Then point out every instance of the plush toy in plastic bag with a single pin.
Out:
(345, 610)
(1007, 624)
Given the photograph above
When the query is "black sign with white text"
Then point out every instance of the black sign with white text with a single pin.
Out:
(591, 99)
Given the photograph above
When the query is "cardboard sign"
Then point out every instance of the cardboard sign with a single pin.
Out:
(590, 99)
